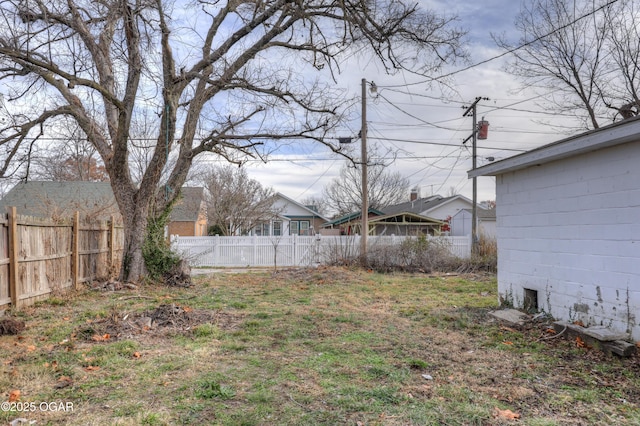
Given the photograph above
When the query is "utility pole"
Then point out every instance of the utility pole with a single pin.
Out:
(474, 209)
(365, 190)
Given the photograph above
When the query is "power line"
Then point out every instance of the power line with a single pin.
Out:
(413, 116)
(509, 51)
(302, 160)
(445, 144)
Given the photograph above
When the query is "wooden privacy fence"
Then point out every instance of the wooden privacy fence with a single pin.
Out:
(39, 255)
(290, 250)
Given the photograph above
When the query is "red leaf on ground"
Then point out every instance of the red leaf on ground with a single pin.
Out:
(505, 414)
(14, 395)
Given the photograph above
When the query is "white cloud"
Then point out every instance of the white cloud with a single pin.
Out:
(401, 110)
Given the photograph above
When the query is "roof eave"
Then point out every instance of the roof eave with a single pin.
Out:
(615, 134)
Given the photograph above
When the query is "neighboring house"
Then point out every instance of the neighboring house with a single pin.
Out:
(290, 218)
(435, 206)
(568, 226)
(402, 223)
(461, 223)
(94, 200)
(189, 215)
(351, 223)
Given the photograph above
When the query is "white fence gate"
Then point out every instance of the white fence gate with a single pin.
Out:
(291, 250)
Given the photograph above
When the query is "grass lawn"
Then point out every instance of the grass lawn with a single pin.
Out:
(327, 346)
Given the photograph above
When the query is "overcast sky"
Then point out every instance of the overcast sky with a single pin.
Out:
(423, 125)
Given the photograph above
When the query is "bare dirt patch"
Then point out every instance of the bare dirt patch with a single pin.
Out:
(164, 320)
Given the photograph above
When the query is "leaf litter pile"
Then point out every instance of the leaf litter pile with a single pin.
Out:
(309, 346)
(164, 319)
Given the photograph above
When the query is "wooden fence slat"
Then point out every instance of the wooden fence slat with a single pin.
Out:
(13, 257)
(112, 243)
(75, 257)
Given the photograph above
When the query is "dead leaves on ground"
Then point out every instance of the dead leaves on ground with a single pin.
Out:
(505, 414)
(101, 338)
(63, 382)
(14, 395)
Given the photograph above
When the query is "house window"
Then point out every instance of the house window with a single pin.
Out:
(277, 228)
(299, 227)
(304, 227)
(261, 230)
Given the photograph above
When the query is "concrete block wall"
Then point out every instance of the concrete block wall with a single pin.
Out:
(570, 230)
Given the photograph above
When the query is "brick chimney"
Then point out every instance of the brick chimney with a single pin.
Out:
(414, 194)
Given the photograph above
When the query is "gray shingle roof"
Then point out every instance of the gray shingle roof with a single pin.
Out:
(486, 214)
(61, 199)
(95, 199)
(418, 206)
(188, 207)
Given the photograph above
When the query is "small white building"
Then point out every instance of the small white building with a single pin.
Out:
(486, 222)
(568, 227)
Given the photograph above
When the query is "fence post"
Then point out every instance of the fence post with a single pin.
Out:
(13, 257)
(216, 249)
(75, 251)
(316, 252)
(294, 243)
(255, 249)
(112, 244)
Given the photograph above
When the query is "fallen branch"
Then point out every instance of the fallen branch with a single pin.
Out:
(135, 297)
(555, 335)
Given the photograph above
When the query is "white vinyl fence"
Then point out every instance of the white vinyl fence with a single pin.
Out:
(289, 250)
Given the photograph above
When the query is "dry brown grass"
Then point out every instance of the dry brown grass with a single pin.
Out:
(318, 346)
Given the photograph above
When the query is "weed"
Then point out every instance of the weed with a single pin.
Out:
(210, 388)
(205, 330)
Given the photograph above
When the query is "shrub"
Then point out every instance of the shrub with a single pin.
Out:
(412, 255)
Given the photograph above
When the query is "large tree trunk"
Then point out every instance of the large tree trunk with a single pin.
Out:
(135, 230)
(133, 204)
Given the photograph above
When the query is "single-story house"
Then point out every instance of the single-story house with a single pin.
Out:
(290, 218)
(95, 200)
(189, 215)
(402, 223)
(435, 206)
(568, 227)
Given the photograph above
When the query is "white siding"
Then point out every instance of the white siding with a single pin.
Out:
(461, 223)
(570, 229)
(488, 228)
(445, 210)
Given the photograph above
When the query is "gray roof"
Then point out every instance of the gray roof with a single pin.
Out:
(93, 199)
(418, 206)
(61, 199)
(189, 206)
(486, 214)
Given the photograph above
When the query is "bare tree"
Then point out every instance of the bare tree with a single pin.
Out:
(70, 158)
(317, 204)
(231, 78)
(344, 193)
(235, 202)
(583, 54)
